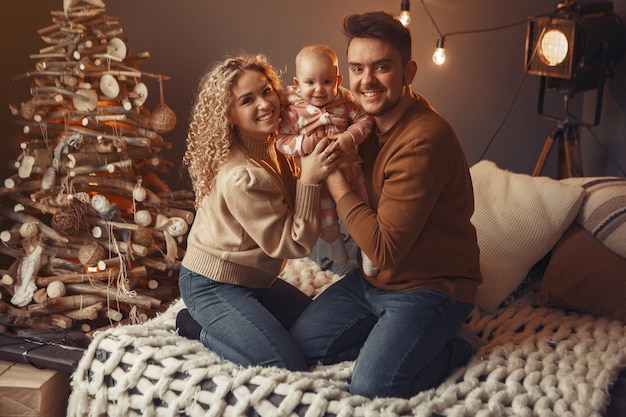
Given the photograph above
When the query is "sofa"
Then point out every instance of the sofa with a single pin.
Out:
(551, 312)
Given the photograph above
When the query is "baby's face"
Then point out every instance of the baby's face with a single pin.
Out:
(318, 81)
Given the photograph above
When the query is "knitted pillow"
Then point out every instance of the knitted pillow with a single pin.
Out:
(518, 220)
(585, 275)
(603, 212)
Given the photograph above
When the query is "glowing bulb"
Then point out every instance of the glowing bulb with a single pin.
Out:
(554, 47)
(439, 56)
(405, 18)
(405, 15)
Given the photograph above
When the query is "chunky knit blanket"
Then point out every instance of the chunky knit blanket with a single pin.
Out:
(536, 361)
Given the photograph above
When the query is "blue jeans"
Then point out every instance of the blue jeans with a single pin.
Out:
(248, 326)
(403, 341)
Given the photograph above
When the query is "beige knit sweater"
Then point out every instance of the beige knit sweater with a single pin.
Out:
(256, 216)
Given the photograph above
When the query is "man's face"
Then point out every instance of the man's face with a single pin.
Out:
(377, 76)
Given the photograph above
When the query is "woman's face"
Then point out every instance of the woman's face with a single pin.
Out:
(255, 111)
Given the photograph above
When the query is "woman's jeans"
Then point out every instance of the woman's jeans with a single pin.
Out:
(247, 326)
(403, 341)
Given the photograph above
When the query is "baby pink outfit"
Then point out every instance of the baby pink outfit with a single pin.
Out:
(297, 136)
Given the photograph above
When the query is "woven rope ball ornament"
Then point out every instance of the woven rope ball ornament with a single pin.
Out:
(163, 119)
(90, 254)
(143, 236)
(68, 220)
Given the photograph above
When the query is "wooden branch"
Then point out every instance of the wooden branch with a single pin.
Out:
(124, 248)
(137, 272)
(12, 312)
(87, 313)
(64, 264)
(144, 301)
(60, 304)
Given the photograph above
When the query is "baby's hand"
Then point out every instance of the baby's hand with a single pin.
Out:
(309, 142)
(343, 141)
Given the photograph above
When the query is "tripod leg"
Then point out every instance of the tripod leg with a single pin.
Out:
(545, 152)
(573, 160)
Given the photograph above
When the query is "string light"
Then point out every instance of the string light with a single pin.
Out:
(439, 56)
(405, 15)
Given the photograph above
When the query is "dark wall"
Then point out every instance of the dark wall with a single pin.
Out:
(482, 88)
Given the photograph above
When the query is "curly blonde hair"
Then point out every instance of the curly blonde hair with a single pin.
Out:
(211, 132)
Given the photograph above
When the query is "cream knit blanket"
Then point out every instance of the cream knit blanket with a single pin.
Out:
(536, 361)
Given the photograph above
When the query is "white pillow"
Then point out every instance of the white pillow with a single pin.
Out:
(518, 220)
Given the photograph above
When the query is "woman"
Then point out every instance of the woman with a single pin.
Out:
(254, 209)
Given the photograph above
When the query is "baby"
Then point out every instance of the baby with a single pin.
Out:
(318, 106)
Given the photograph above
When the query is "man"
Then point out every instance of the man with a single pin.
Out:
(401, 325)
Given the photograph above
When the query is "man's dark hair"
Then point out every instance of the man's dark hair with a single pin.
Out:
(379, 25)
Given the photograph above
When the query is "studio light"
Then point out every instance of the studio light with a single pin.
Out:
(575, 46)
(405, 13)
(573, 50)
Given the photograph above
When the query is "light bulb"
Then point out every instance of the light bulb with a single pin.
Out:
(553, 47)
(405, 18)
(439, 56)
(405, 15)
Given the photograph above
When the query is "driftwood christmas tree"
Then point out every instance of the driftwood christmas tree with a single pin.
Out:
(90, 235)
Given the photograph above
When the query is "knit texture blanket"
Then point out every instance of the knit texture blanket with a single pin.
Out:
(536, 361)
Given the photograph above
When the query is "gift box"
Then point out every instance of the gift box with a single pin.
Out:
(40, 354)
(26, 391)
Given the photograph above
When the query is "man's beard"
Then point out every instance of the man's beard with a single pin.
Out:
(386, 107)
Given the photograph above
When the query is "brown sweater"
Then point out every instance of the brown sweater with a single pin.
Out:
(255, 216)
(418, 229)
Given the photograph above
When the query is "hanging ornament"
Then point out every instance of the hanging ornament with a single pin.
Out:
(68, 4)
(49, 178)
(140, 94)
(85, 100)
(25, 167)
(90, 254)
(109, 86)
(163, 118)
(172, 228)
(143, 218)
(139, 193)
(69, 220)
(116, 49)
(106, 210)
(143, 236)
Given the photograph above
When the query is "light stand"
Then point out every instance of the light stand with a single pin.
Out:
(569, 157)
(565, 132)
(572, 50)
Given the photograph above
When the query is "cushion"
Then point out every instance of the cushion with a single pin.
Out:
(603, 212)
(518, 220)
(585, 275)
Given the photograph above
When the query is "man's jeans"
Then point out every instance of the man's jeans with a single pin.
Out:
(245, 325)
(403, 341)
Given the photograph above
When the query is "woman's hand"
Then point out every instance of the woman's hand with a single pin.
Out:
(319, 163)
